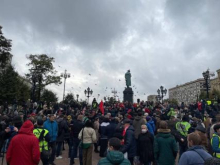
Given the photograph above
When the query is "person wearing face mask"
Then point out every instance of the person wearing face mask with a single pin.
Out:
(114, 156)
(145, 146)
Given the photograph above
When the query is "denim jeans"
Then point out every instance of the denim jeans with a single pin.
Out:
(74, 145)
(52, 145)
(59, 145)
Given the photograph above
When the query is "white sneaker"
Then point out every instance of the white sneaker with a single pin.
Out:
(59, 157)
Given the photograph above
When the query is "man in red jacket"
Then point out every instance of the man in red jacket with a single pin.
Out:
(24, 147)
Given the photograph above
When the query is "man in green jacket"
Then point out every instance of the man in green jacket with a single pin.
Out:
(165, 147)
(114, 156)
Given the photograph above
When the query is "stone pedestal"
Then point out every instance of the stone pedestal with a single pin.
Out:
(128, 95)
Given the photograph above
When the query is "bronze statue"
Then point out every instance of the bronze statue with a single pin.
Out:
(128, 78)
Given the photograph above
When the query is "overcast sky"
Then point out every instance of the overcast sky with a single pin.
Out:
(162, 42)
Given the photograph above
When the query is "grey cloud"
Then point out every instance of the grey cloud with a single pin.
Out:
(161, 42)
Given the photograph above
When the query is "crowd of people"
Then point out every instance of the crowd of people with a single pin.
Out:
(122, 133)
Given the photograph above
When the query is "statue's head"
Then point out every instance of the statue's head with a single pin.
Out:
(129, 70)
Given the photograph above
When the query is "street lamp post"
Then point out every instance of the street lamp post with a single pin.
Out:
(162, 92)
(206, 76)
(114, 92)
(65, 75)
(88, 92)
(77, 96)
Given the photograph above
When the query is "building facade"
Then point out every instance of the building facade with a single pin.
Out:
(215, 82)
(188, 92)
(152, 98)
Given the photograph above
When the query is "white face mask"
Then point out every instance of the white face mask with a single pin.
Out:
(143, 130)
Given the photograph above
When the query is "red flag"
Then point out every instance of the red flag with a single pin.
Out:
(101, 107)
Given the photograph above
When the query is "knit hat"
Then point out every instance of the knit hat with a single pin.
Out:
(148, 118)
(127, 121)
(200, 128)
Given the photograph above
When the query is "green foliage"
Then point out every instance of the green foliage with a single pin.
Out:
(5, 48)
(69, 99)
(214, 94)
(202, 95)
(13, 86)
(42, 72)
(49, 96)
(171, 101)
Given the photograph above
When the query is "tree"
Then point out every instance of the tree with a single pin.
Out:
(171, 101)
(42, 72)
(5, 48)
(12, 86)
(49, 96)
(202, 95)
(69, 99)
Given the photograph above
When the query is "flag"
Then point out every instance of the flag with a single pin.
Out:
(101, 107)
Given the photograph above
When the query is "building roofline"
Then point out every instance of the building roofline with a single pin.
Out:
(187, 83)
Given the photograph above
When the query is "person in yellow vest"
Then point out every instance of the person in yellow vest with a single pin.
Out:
(215, 141)
(182, 128)
(44, 138)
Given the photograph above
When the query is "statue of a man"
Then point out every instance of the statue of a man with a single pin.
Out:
(128, 78)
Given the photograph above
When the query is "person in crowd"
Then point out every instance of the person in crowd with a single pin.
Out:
(88, 137)
(129, 146)
(44, 138)
(182, 129)
(165, 147)
(215, 141)
(137, 123)
(96, 128)
(200, 130)
(24, 147)
(196, 153)
(145, 149)
(76, 127)
(104, 136)
(114, 156)
(111, 128)
(62, 129)
(52, 126)
(150, 125)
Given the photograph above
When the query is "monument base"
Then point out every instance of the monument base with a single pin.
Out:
(128, 95)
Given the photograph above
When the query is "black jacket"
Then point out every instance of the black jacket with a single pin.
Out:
(129, 143)
(110, 130)
(62, 129)
(76, 126)
(145, 147)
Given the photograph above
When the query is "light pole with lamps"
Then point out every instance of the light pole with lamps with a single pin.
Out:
(65, 75)
(206, 76)
(77, 96)
(88, 92)
(162, 92)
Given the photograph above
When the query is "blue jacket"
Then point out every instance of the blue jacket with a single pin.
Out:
(151, 126)
(215, 144)
(52, 127)
(194, 155)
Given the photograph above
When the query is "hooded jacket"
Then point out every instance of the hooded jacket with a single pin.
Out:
(165, 147)
(113, 158)
(151, 126)
(24, 147)
(138, 121)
